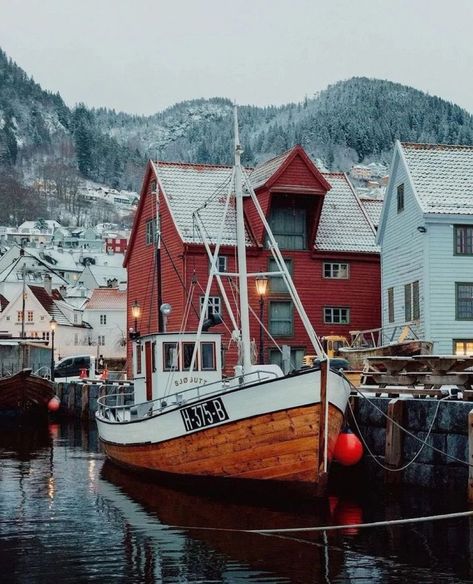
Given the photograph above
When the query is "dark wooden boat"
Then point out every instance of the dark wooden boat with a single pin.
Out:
(25, 393)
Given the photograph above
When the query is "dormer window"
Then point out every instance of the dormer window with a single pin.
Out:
(400, 198)
(289, 226)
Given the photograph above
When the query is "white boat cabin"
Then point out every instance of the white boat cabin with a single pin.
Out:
(161, 364)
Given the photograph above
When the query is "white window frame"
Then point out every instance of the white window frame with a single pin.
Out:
(335, 269)
(214, 304)
(331, 311)
(103, 319)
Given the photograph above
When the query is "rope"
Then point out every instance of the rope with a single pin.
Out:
(319, 528)
(434, 448)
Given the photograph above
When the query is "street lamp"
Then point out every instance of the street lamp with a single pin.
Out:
(261, 288)
(52, 326)
(136, 313)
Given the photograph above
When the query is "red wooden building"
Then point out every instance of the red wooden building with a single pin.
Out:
(322, 228)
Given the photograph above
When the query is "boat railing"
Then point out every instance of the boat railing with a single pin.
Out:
(113, 407)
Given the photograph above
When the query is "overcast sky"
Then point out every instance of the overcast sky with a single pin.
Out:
(141, 56)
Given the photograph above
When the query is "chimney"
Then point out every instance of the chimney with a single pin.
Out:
(48, 284)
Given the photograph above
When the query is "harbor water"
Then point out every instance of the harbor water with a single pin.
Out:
(68, 516)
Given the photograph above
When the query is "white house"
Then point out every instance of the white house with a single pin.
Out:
(426, 239)
(106, 314)
(72, 333)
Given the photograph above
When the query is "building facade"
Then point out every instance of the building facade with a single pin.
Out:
(323, 231)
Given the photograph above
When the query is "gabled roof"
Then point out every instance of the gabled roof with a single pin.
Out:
(344, 225)
(102, 274)
(268, 172)
(442, 175)
(373, 208)
(107, 299)
(191, 187)
(48, 303)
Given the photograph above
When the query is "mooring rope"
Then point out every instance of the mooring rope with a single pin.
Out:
(424, 442)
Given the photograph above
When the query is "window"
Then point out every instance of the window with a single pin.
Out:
(103, 319)
(463, 346)
(101, 340)
(408, 302)
(29, 316)
(214, 305)
(276, 283)
(391, 304)
(463, 239)
(281, 319)
(296, 358)
(187, 352)
(207, 356)
(400, 197)
(171, 360)
(339, 271)
(45, 335)
(76, 339)
(336, 315)
(464, 300)
(289, 227)
(19, 315)
(415, 300)
(150, 231)
(138, 357)
(153, 186)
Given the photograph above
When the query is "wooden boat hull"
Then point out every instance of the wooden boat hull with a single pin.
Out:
(25, 393)
(357, 357)
(279, 445)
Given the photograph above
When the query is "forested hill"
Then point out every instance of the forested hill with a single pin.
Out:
(350, 121)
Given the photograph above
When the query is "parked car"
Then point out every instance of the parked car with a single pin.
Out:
(70, 368)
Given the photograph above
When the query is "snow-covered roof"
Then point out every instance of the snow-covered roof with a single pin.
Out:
(49, 304)
(107, 299)
(104, 273)
(189, 187)
(373, 207)
(343, 224)
(264, 171)
(442, 176)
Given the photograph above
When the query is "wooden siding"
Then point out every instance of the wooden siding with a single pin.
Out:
(279, 446)
(402, 248)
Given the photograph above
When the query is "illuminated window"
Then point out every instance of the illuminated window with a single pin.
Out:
(463, 346)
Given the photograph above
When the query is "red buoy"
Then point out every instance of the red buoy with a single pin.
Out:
(54, 404)
(348, 449)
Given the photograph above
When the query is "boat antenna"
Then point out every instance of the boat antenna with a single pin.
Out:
(241, 248)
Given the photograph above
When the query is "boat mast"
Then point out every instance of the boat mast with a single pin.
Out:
(241, 248)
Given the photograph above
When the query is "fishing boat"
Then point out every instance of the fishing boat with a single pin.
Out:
(187, 419)
(25, 393)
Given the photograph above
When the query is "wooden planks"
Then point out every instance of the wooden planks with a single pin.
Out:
(281, 445)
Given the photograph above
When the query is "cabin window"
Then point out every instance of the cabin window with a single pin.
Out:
(187, 352)
(207, 356)
(463, 346)
(336, 315)
(103, 319)
(276, 283)
(391, 304)
(171, 358)
(281, 319)
(153, 356)
(335, 270)
(296, 358)
(464, 301)
(150, 231)
(214, 305)
(289, 227)
(138, 358)
(400, 197)
(463, 236)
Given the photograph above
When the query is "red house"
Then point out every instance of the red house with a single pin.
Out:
(322, 228)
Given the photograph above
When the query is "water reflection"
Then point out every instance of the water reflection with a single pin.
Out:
(67, 517)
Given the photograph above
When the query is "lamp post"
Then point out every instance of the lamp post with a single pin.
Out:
(261, 288)
(52, 326)
(136, 313)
